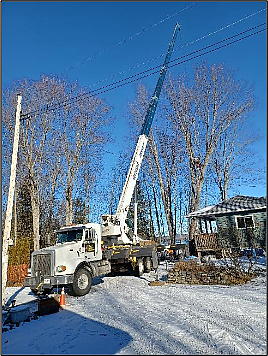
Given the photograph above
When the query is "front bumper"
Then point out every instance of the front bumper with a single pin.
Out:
(48, 281)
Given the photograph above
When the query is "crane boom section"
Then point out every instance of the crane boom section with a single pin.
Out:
(154, 100)
(135, 165)
(131, 179)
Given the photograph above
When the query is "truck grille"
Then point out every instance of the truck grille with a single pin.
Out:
(42, 265)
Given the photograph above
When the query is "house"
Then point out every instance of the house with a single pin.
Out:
(236, 223)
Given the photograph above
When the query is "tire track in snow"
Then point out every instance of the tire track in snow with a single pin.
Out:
(201, 318)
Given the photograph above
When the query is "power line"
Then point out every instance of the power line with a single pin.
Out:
(222, 28)
(180, 47)
(129, 38)
(71, 100)
(214, 49)
(125, 82)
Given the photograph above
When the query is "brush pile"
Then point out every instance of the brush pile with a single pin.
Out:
(195, 273)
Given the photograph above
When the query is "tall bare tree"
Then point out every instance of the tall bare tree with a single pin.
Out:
(202, 110)
(59, 150)
(233, 160)
(82, 137)
(34, 134)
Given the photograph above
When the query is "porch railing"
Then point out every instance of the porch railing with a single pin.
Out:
(206, 242)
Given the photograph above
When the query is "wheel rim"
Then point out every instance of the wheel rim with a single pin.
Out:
(82, 281)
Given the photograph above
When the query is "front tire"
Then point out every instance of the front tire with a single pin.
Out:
(82, 282)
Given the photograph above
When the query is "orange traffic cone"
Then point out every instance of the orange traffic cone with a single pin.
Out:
(62, 298)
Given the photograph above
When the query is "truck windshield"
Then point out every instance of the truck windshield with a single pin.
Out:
(69, 236)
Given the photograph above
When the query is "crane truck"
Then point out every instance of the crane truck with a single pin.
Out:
(84, 251)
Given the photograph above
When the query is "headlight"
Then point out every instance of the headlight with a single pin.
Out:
(60, 268)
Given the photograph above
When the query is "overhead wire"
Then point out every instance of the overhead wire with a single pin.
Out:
(222, 28)
(151, 59)
(126, 81)
(129, 38)
(130, 68)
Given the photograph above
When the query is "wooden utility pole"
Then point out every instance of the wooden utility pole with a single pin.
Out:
(135, 213)
(8, 219)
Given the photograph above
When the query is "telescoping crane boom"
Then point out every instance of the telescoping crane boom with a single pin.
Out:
(114, 227)
(84, 251)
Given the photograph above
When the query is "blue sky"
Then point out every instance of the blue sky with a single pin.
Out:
(62, 37)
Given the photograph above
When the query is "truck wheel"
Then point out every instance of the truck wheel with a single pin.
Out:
(82, 282)
(147, 264)
(140, 267)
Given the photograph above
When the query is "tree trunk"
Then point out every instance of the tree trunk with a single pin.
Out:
(168, 213)
(157, 214)
(194, 205)
(35, 204)
(225, 186)
(69, 205)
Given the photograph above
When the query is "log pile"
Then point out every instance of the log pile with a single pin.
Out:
(194, 273)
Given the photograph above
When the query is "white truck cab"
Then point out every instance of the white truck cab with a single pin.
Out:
(73, 260)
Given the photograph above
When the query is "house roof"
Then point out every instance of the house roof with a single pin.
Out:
(235, 204)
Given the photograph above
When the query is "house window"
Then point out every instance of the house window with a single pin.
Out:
(213, 225)
(244, 222)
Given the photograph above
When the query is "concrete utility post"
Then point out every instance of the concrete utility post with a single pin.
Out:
(8, 219)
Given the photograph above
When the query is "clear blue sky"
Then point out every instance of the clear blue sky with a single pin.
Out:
(61, 37)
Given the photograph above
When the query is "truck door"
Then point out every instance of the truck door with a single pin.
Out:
(90, 244)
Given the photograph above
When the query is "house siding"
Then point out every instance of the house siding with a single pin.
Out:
(230, 236)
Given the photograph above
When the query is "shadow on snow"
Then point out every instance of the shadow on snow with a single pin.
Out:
(64, 333)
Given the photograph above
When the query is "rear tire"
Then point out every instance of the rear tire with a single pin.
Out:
(147, 264)
(82, 282)
(140, 267)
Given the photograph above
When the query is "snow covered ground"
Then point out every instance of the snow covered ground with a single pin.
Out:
(123, 315)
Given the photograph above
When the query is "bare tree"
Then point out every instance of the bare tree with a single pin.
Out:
(234, 160)
(34, 134)
(59, 151)
(81, 140)
(202, 110)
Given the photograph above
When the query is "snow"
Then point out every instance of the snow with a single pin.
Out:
(124, 315)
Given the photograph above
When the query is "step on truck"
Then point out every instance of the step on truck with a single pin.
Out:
(84, 251)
